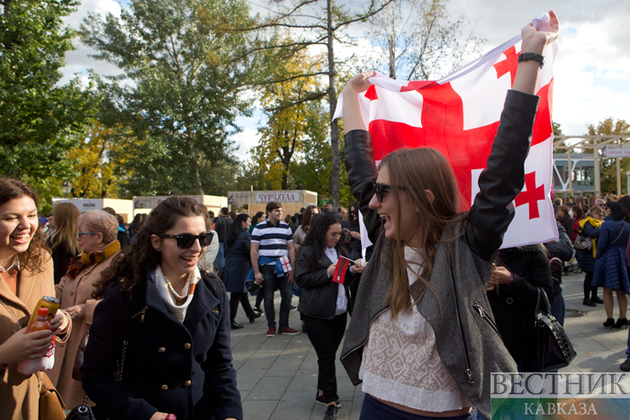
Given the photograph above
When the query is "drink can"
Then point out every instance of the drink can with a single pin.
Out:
(48, 302)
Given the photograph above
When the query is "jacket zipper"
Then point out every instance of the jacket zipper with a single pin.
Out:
(142, 312)
(368, 337)
(483, 314)
(468, 370)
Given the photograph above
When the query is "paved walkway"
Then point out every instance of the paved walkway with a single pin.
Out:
(277, 377)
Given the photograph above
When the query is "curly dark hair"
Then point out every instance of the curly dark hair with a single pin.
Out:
(130, 267)
(316, 238)
(33, 258)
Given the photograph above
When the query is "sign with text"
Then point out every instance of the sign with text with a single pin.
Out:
(570, 395)
(281, 197)
(616, 150)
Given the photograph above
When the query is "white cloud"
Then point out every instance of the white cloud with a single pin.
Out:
(245, 140)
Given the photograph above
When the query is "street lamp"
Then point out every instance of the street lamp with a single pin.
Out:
(66, 188)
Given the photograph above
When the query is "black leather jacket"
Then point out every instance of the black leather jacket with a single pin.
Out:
(318, 297)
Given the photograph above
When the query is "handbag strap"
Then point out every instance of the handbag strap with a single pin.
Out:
(542, 298)
(622, 228)
(127, 319)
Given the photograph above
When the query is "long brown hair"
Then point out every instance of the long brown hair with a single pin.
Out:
(418, 170)
(66, 231)
(130, 266)
(33, 258)
(306, 218)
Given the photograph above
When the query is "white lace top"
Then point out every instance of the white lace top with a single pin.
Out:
(401, 363)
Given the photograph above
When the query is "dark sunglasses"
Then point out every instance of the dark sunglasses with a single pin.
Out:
(379, 189)
(186, 240)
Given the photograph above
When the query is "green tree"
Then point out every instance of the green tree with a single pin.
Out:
(37, 115)
(289, 106)
(96, 171)
(180, 90)
(608, 167)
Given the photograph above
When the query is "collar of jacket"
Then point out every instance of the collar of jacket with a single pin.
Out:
(200, 307)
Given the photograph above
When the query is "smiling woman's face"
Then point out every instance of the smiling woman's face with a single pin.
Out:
(18, 224)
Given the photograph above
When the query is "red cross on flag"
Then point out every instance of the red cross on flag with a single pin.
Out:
(286, 264)
(459, 116)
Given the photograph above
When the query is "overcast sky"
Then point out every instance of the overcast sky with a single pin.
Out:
(592, 69)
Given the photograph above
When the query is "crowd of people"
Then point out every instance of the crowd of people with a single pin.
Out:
(146, 306)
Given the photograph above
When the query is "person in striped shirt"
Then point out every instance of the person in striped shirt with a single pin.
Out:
(272, 240)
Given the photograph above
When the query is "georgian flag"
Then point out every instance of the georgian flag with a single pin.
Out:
(459, 116)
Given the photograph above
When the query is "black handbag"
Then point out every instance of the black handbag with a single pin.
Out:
(81, 412)
(555, 350)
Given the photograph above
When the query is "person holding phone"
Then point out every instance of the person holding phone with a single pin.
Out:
(323, 302)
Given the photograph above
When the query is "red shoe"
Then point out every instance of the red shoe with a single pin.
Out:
(271, 332)
(288, 331)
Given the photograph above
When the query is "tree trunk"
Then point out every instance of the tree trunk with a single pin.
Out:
(332, 99)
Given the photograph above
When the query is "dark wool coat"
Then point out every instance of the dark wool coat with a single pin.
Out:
(514, 305)
(172, 367)
(237, 263)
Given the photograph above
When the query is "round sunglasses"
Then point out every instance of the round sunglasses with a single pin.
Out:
(186, 240)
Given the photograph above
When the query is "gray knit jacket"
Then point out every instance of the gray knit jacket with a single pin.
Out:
(456, 306)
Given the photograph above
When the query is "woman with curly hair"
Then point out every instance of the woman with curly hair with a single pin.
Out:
(171, 323)
(26, 274)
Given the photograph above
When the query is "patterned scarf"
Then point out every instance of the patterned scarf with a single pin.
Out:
(176, 303)
(77, 264)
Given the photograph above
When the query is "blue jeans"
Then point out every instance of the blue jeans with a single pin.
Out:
(628, 349)
(270, 285)
(221, 256)
(557, 308)
(374, 409)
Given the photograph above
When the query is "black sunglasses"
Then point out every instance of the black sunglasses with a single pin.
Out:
(186, 240)
(379, 189)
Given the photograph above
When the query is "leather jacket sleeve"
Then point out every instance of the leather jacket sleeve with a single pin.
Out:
(504, 176)
(306, 278)
(361, 169)
(562, 249)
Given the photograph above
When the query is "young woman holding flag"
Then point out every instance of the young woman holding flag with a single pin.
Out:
(323, 301)
(422, 338)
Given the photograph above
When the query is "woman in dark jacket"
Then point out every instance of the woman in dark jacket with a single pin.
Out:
(513, 293)
(237, 265)
(175, 321)
(611, 264)
(323, 302)
(589, 227)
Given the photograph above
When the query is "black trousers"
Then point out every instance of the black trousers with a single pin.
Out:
(588, 289)
(235, 298)
(325, 336)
